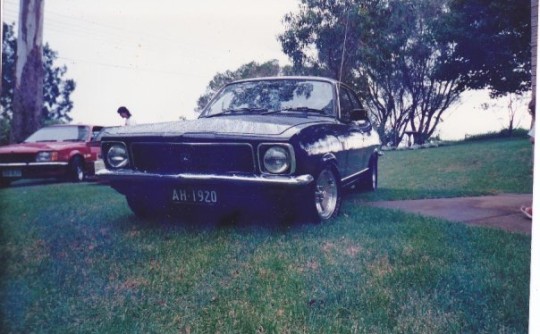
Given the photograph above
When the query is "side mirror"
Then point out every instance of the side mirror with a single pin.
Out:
(359, 115)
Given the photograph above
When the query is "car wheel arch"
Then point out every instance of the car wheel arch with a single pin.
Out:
(328, 158)
(76, 156)
(75, 153)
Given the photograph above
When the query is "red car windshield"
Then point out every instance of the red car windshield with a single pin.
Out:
(59, 133)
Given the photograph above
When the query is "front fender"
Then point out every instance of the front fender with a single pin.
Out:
(329, 158)
(317, 163)
(81, 153)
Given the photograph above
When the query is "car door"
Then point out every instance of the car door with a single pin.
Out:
(352, 136)
(362, 124)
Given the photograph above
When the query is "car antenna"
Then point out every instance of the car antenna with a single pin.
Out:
(344, 42)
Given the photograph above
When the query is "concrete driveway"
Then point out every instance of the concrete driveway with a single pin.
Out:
(498, 211)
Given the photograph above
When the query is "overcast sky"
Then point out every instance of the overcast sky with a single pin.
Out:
(157, 57)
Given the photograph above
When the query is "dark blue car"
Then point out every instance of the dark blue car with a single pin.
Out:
(287, 143)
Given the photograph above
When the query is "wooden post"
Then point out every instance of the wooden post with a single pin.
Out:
(29, 73)
(534, 42)
(1, 36)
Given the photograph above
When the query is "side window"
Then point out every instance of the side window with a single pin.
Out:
(83, 133)
(96, 131)
(345, 104)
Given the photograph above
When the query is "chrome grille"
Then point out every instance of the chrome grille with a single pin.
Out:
(207, 158)
(17, 157)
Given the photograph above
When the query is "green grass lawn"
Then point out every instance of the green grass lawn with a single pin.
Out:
(468, 169)
(75, 259)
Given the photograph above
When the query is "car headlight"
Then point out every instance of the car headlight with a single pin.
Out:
(46, 156)
(277, 160)
(117, 156)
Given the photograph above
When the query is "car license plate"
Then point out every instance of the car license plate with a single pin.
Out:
(12, 173)
(194, 196)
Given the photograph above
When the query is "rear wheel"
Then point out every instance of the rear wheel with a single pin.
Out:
(370, 181)
(327, 194)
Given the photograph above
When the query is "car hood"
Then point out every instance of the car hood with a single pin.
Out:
(268, 125)
(34, 147)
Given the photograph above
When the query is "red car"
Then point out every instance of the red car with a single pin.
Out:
(63, 151)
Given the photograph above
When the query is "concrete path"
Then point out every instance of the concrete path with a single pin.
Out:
(498, 211)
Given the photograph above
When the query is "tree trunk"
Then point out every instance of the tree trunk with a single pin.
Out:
(28, 92)
(1, 37)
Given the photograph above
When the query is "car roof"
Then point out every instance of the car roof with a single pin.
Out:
(277, 78)
(67, 125)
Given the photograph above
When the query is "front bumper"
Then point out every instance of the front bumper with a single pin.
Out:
(248, 193)
(32, 169)
(130, 175)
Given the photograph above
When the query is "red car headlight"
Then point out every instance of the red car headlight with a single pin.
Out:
(47, 156)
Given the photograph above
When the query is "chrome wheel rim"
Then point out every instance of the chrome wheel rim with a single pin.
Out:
(80, 173)
(326, 194)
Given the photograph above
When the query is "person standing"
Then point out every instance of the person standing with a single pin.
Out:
(125, 113)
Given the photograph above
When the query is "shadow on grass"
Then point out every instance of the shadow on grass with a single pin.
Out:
(196, 220)
(270, 217)
(49, 181)
(276, 218)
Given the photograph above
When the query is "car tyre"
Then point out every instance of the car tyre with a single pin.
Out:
(326, 194)
(370, 181)
(76, 170)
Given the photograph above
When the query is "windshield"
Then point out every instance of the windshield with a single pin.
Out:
(271, 96)
(59, 133)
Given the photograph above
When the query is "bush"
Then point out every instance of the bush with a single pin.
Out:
(504, 133)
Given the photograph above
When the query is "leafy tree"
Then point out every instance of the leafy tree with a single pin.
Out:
(56, 91)
(250, 70)
(387, 50)
(9, 54)
(491, 40)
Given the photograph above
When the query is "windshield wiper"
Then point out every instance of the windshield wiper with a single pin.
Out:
(239, 110)
(301, 109)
